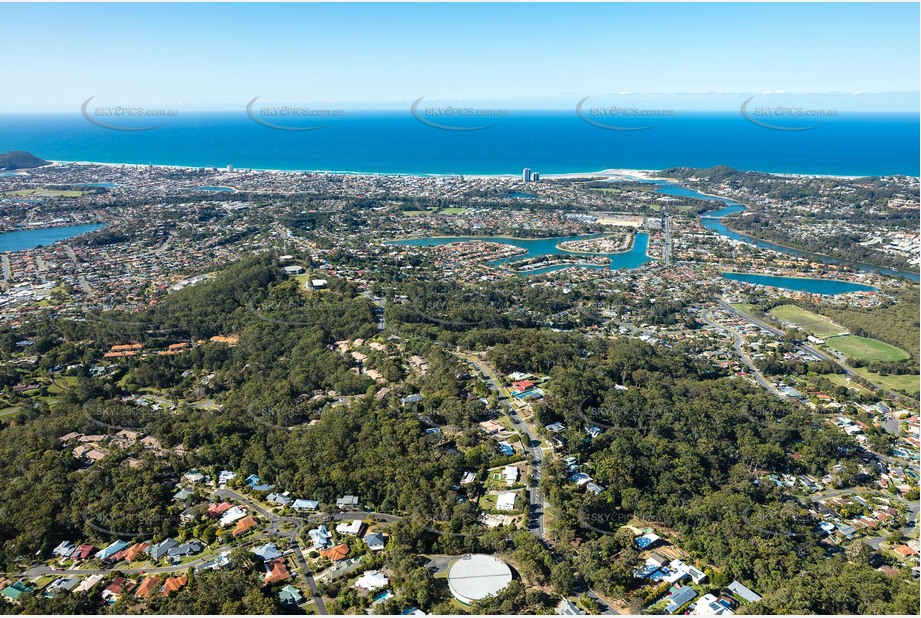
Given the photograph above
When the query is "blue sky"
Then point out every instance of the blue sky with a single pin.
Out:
(691, 56)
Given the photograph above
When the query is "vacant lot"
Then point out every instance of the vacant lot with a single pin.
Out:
(866, 349)
(814, 324)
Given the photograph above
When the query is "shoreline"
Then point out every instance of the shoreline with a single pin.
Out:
(486, 238)
(873, 288)
(839, 260)
(627, 249)
(643, 174)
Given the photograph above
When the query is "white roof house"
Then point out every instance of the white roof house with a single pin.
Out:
(506, 501)
(352, 527)
(510, 474)
(232, 514)
(372, 580)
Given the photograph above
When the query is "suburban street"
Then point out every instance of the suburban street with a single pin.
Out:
(737, 346)
(533, 449)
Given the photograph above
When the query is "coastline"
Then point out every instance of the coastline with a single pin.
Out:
(613, 173)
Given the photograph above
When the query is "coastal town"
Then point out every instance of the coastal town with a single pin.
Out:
(456, 315)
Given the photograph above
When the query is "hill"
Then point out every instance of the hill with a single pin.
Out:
(20, 160)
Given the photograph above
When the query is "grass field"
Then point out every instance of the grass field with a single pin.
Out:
(909, 383)
(866, 349)
(416, 213)
(452, 211)
(841, 380)
(44, 193)
(744, 307)
(814, 324)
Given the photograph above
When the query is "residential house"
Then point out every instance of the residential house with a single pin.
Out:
(215, 509)
(372, 580)
(336, 553)
(321, 537)
(289, 595)
(678, 598)
(568, 608)
(232, 514)
(82, 552)
(65, 584)
(506, 501)
(65, 549)
(174, 584)
(347, 502)
(162, 548)
(352, 527)
(697, 576)
(112, 549)
(244, 525)
(114, 590)
(276, 571)
(189, 548)
(305, 505)
(16, 591)
(148, 585)
(740, 591)
(375, 541)
(511, 474)
(87, 584)
(267, 552)
(279, 499)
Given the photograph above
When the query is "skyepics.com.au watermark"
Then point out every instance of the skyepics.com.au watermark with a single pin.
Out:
(452, 118)
(621, 118)
(121, 417)
(607, 417)
(784, 117)
(130, 118)
(129, 525)
(287, 418)
(292, 117)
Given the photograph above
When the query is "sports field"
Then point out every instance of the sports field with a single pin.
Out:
(814, 324)
(866, 349)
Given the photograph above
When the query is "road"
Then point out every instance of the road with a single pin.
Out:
(276, 522)
(538, 504)
(737, 346)
(666, 240)
(820, 354)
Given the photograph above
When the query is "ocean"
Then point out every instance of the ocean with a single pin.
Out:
(399, 143)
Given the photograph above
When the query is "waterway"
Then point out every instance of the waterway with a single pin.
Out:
(22, 240)
(633, 258)
(828, 287)
(713, 221)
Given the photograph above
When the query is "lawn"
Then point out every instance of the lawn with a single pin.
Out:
(744, 307)
(841, 380)
(452, 211)
(816, 325)
(907, 383)
(866, 349)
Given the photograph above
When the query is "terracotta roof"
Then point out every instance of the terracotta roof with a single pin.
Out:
(174, 583)
(278, 571)
(147, 586)
(243, 525)
(338, 552)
